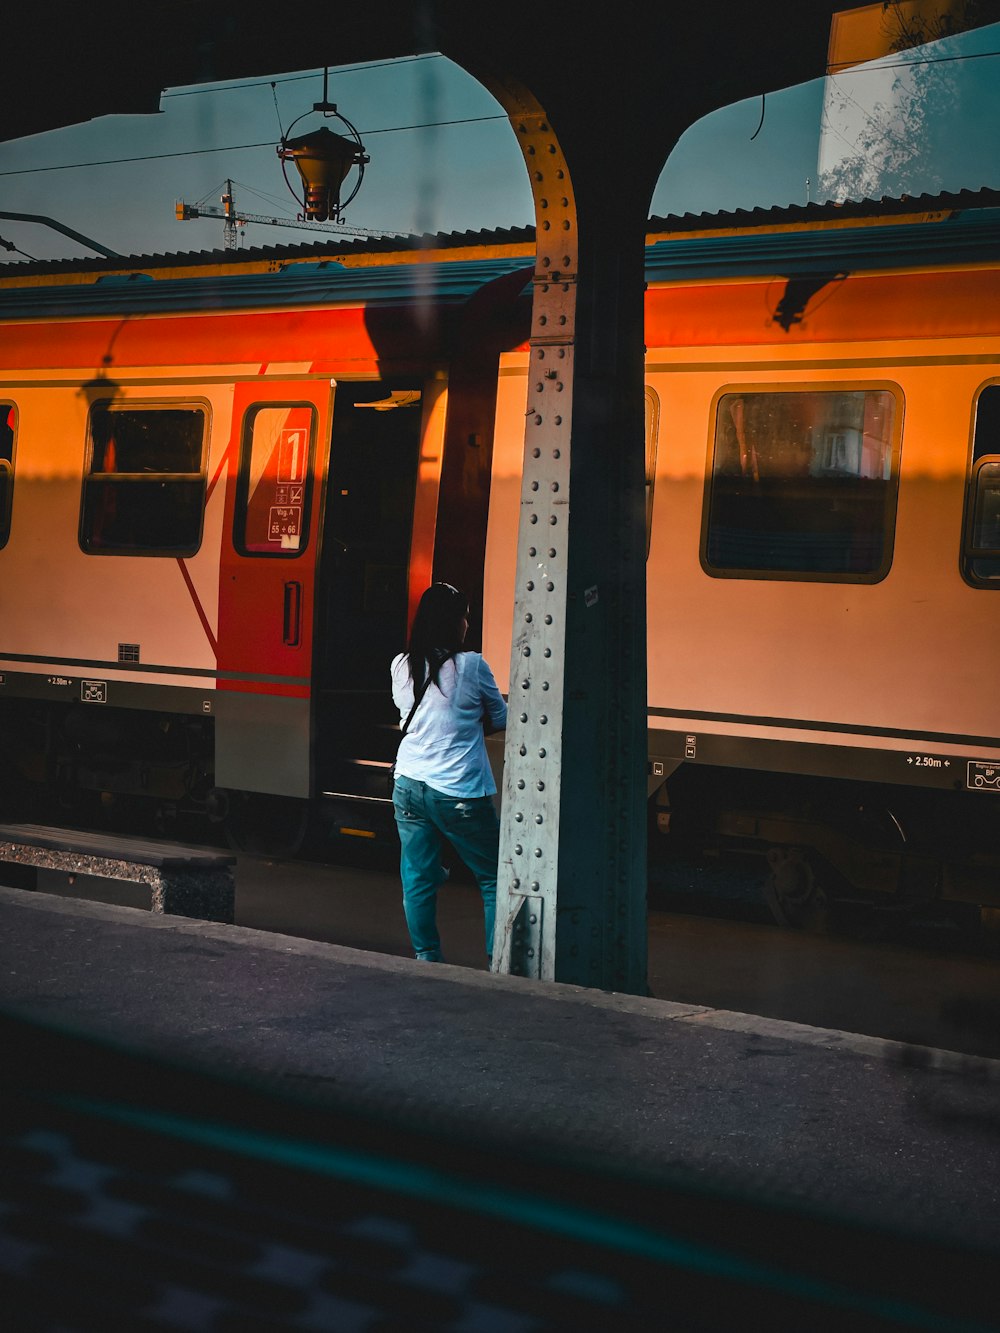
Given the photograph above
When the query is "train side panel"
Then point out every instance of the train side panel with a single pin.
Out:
(109, 630)
(840, 705)
(165, 606)
(896, 666)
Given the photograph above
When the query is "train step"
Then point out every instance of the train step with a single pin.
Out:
(363, 780)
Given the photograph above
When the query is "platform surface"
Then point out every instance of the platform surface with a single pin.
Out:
(113, 847)
(906, 1138)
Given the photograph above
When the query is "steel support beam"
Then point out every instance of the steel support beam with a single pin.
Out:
(571, 903)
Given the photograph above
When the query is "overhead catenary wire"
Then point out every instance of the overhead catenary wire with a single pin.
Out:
(400, 129)
(436, 55)
(9, 245)
(232, 148)
(274, 96)
(880, 63)
(363, 68)
(760, 125)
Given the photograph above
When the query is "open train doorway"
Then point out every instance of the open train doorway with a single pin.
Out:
(367, 540)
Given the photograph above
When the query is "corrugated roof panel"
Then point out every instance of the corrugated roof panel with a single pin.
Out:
(328, 248)
(780, 241)
(438, 283)
(961, 204)
(971, 238)
(848, 210)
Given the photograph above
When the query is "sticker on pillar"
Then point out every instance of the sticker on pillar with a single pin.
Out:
(690, 747)
(590, 596)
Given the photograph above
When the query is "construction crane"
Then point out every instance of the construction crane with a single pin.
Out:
(232, 219)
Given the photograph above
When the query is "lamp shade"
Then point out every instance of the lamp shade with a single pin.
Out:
(323, 159)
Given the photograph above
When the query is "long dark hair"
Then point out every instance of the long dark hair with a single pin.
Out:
(436, 634)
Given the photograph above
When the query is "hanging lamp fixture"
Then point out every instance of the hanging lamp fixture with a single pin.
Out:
(324, 159)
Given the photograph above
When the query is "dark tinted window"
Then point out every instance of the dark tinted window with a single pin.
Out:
(981, 538)
(144, 491)
(802, 485)
(8, 432)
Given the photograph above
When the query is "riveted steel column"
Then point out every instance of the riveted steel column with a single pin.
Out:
(571, 889)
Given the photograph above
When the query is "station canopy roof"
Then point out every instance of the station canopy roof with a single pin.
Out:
(517, 240)
(631, 74)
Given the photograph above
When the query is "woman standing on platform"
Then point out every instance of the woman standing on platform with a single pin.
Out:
(444, 786)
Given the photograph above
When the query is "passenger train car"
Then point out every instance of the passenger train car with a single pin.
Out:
(225, 480)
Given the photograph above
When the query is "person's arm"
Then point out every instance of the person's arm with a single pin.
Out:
(402, 695)
(494, 708)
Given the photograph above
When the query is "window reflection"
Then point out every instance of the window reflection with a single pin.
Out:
(272, 506)
(145, 488)
(803, 484)
(981, 544)
(8, 430)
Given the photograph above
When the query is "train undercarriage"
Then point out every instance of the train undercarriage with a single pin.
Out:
(825, 846)
(820, 846)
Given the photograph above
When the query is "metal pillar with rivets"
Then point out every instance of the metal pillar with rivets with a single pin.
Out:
(571, 900)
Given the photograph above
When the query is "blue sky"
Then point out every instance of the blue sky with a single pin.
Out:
(452, 176)
(719, 164)
(443, 156)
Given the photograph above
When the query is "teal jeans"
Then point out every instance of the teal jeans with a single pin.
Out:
(423, 817)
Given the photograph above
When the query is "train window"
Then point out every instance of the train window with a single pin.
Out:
(144, 491)
(981, 538)
(272, 495)
(802, 484)
(8, 434)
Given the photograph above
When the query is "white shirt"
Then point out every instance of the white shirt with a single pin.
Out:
(444, 746)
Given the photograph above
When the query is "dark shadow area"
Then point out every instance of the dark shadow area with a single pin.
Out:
(791, 309)
(143, 1195)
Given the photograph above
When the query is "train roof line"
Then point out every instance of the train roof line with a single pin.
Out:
(850, 212)
(326, 283)
(352, 252)
(929, 238)
(797, 253)
(434, 247)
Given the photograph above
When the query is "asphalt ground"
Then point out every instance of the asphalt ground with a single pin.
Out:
(877, 1132)
(929, 980)
(818, 1111)
(711, 943)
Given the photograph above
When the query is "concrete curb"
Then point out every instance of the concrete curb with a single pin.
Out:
(981, 1068)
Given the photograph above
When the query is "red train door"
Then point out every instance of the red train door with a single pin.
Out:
(276, 464)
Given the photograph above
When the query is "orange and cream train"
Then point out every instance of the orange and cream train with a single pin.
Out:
(222, 484)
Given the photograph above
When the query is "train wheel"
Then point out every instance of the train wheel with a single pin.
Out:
(792, 893)
(269, 828)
